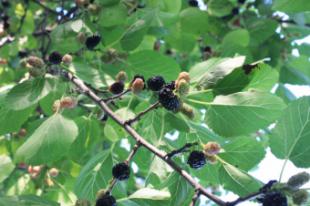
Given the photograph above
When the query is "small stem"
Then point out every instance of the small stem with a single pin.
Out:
(282, 169)
(242, 199)
(138, 117)
(199, 102)
(110, 99)
(195, 198)
(127, 161)
(181, 150)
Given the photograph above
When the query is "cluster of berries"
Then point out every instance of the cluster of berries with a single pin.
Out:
(277, 194)
(56, 58)
(198, 159)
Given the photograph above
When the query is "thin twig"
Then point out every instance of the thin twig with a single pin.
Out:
(243, 199)
(195, 198)
(141, 114)
(127, 161)
(182, 149)
(110, 99)
(79, 83)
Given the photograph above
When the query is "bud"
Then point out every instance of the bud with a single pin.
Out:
(34, 171)
(93, 9)
(101, 193)
(185, 76)
(36, 72)
(212, 159)
(211, 148)
(298, 180)
(68, 103)
(137, 85)
(300, 197)
(56, 106)
(67, 59)
(182, 87)
(121, 76)
(82, 203)
(22, 132)
(53, 172)
(188, 111)
(81, 3)
(81, 37)
(34, 61)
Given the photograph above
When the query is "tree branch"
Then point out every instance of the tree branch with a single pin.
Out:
(79, 83)
(242, 199)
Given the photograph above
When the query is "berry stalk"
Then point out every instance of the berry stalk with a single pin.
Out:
(141, 114)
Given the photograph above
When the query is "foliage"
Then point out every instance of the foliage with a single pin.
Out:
(230, 60)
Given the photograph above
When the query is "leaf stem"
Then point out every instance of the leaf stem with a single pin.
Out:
(199, 102)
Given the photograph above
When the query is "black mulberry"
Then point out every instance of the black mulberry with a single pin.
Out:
(106, 200)
(193, 3)
(155, 83)
(170, 85)
(121, 171)
(273, 199)
(235, 11)
(55, 58)
(196, 159)
(117, 87)
(92, 41)
(169, 100)
(241, 1)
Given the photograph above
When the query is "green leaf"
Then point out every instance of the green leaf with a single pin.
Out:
(26, 200)
(220, 8)
(180, 189)
(290, 138)
(296, 71)
(244, 112)
(29, 92)
(243, 152)
(12, 120)
(89, 133)
(239, 36)
(208, 73)
(6, 167)
(294, 6)
(261, 30)
(49, 142)
(263, 79)
(113, 15)
(94, 176)
(149, 193)
(151, 63)
(238, 181)
(194, 21)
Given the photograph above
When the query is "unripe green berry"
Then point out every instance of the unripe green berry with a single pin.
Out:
(298, 180)
(300, 197)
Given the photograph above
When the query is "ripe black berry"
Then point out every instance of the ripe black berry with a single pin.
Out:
(196, 159)
(170, 85)
(168, 99)
(92, 41)
(117, 87)
(235, 11)
(241, 1)
(155, 83)
(5, 17)
(55, 58)
(6, 25)
(193, 3)
(106, 200)
(207, 49)
(273, 199)
(22, 54)
(5, 3)
(121, 171)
